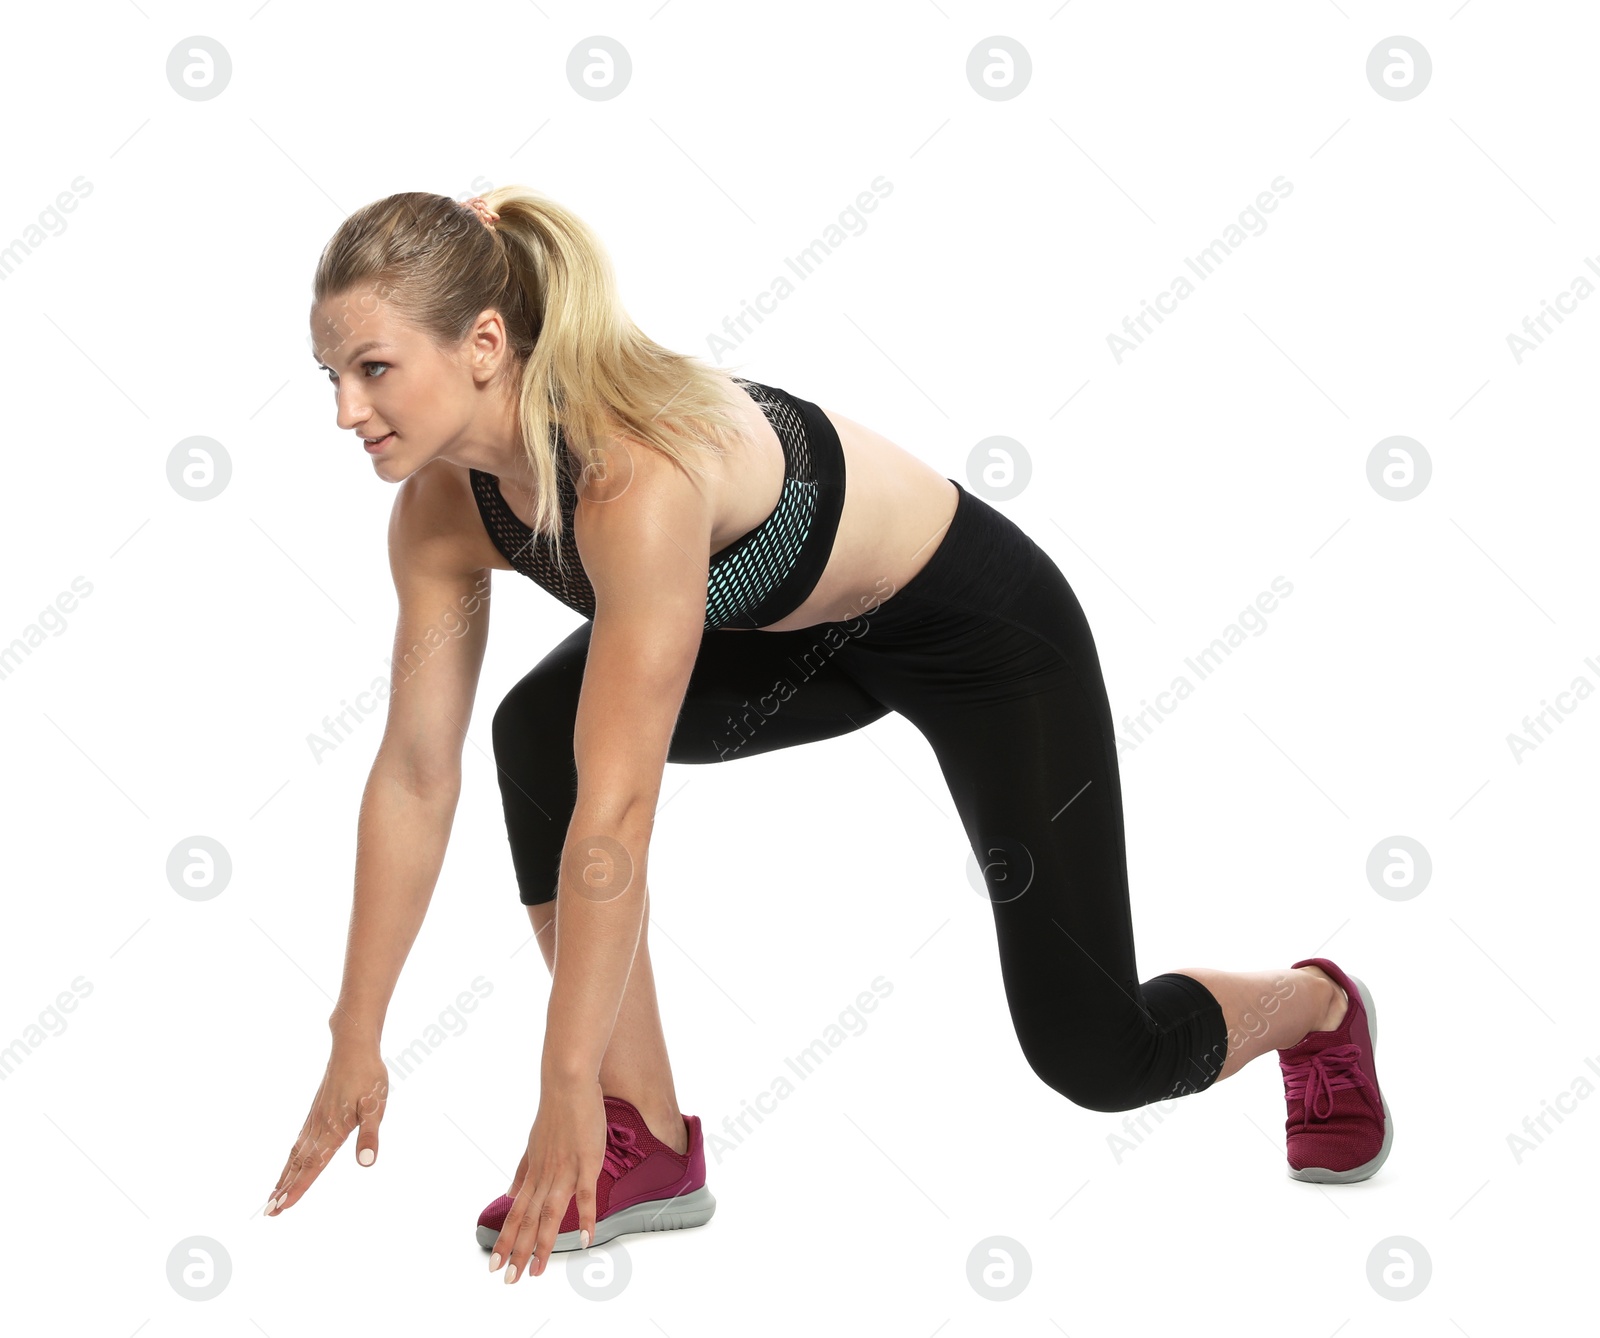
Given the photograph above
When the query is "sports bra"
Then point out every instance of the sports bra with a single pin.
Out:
(762, 576)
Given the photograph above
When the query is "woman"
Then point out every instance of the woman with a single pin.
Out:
(481, 354)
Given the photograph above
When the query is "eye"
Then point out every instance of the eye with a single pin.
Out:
(333, 376)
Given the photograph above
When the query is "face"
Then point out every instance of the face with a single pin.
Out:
(405, 400)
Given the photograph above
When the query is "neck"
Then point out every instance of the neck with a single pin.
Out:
(493, 441)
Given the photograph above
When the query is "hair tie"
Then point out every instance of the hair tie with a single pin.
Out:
(486, 215)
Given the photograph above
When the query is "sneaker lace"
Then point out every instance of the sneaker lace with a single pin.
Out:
(1316, 1078)
(622, 1150)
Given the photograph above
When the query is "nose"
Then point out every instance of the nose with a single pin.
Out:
(351, 408)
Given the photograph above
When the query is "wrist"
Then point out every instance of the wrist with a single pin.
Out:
(350, 1031)
(567, 1069)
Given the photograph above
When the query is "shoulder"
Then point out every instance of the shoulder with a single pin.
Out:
(434, 521)
(642, 525)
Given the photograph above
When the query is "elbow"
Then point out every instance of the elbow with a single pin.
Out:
(429, 777)
(608, 843)
(613, 810)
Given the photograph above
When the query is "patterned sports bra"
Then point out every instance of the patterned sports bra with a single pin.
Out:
(758, 579)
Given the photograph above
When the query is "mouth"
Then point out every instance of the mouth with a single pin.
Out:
(374, 446)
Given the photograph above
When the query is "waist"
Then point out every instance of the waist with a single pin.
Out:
(787, 554)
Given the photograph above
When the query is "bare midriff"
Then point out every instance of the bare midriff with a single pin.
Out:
(896, 511)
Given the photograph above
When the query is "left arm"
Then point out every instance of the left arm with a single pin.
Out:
(644, 539)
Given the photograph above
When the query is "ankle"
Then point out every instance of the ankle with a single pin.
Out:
(669, 1128)
(665, 1121)
(1337, 1003)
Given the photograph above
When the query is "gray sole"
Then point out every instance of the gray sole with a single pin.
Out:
(1318, 1175)
(687, 1210)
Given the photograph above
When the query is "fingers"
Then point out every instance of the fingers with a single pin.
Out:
(586, 1206)
(306, 1160)
(548, 1224)
(370, 1111)
(517, 1179)
(515, 1242)
(351, 1095)
(530, 1228)
(528, 1236)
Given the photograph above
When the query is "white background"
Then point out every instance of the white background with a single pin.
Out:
(176, 699)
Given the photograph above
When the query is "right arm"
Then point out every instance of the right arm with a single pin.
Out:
(407, 808)
(409, 803)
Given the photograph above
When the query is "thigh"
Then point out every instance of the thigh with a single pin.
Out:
(1023, 741)
(1029, 753)
(1023, 736)
(987, 652)
(749, 693)
(754, 692)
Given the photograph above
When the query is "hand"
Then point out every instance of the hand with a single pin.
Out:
(566, 1152)
(354, 1090)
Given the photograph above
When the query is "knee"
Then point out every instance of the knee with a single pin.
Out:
(528, 723)
(510, 717)
(1097, 1078)
(1095, 1091)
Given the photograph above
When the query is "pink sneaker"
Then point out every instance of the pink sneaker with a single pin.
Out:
(1339, 1129)
(643, 1186)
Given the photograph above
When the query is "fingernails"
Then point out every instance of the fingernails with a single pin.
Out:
(494, 1261)
(366, 1156)
(584, 1237)
(511, 1273)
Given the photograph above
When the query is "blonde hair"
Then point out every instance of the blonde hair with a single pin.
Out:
(585, 367)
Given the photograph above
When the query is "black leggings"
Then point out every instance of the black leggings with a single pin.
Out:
(987, 652)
